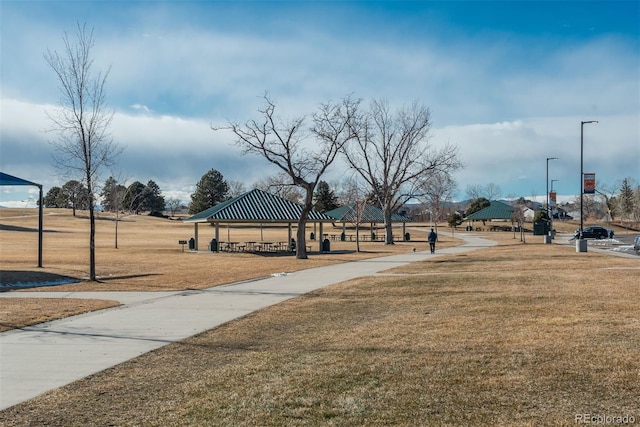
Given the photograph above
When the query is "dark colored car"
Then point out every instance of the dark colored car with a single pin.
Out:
(594, 232)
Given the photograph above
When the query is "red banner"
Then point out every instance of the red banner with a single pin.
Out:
(589, 183)
(552, 198)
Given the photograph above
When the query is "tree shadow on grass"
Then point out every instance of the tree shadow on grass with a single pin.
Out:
(24, 279)
(128, 276)
(5, 227)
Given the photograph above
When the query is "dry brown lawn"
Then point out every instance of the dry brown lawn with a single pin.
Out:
(148, 258)
(21, 312)
(515, 335)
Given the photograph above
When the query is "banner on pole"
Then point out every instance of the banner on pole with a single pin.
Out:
(589, 183)
(552, 198)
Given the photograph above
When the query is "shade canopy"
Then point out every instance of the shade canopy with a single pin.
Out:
(366, 214)
(496, 210)
(6, 179)
(256, 206)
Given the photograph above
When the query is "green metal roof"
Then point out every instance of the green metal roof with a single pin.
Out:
(496, 210)
(6, 179)
(371, 214)
(256, 206)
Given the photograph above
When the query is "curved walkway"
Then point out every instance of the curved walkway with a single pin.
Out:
(39, 358)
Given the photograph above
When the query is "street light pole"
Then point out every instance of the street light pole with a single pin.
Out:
(580, 244)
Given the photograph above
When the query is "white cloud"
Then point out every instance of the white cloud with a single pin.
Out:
(507, 102)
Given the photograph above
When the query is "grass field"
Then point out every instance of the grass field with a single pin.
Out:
(518, 334)
(148, 258)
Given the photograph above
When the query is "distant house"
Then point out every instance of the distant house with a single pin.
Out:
(528, 214)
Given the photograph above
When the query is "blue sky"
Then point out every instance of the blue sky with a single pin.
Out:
(507, 82)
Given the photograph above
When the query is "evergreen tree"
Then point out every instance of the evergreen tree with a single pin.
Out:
(153, 199)
(54, 198)
(210, 190)
(112, 195)
(134, 199)
(75, 196)
(476, 205)
(107, 193)
(626, 198)
(454, 219)
(325, 198)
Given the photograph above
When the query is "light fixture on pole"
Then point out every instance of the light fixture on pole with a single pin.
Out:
(552, 201)
(580, 243)
(548, 158)
(549, 236)
(550, 192)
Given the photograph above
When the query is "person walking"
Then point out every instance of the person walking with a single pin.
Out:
(433, 238)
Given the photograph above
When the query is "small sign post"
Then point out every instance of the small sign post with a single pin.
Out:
(182, 242)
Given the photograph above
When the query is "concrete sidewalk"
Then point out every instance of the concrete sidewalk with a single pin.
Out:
(39, 358)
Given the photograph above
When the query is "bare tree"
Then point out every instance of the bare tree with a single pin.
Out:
(491, 191)
(391, 153)
(280, 185)
(82, 121)
(517, 217)
(236, 188)
(353, 195)
(114, 194)
(474, 191)
(173, 204)
(303, 154)
(436, 189)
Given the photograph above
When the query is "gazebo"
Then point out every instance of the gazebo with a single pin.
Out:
(6, 179)
(255, 207)
(365, 214)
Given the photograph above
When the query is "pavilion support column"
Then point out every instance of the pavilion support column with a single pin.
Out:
(320, 239)
(195, 235)
(404, 231)
(40, 225)
(289, 237)
(218, 236)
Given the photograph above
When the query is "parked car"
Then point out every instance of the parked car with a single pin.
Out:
(594, 232)
(636, 244)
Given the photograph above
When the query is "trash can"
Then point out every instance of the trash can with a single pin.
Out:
(192, 244)
(407, 237)
(343, 237)
(326, 245)
(373, 236)
(469, 228)
(541, 228)
(312, 236)
(292, 245)
(213, 245)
